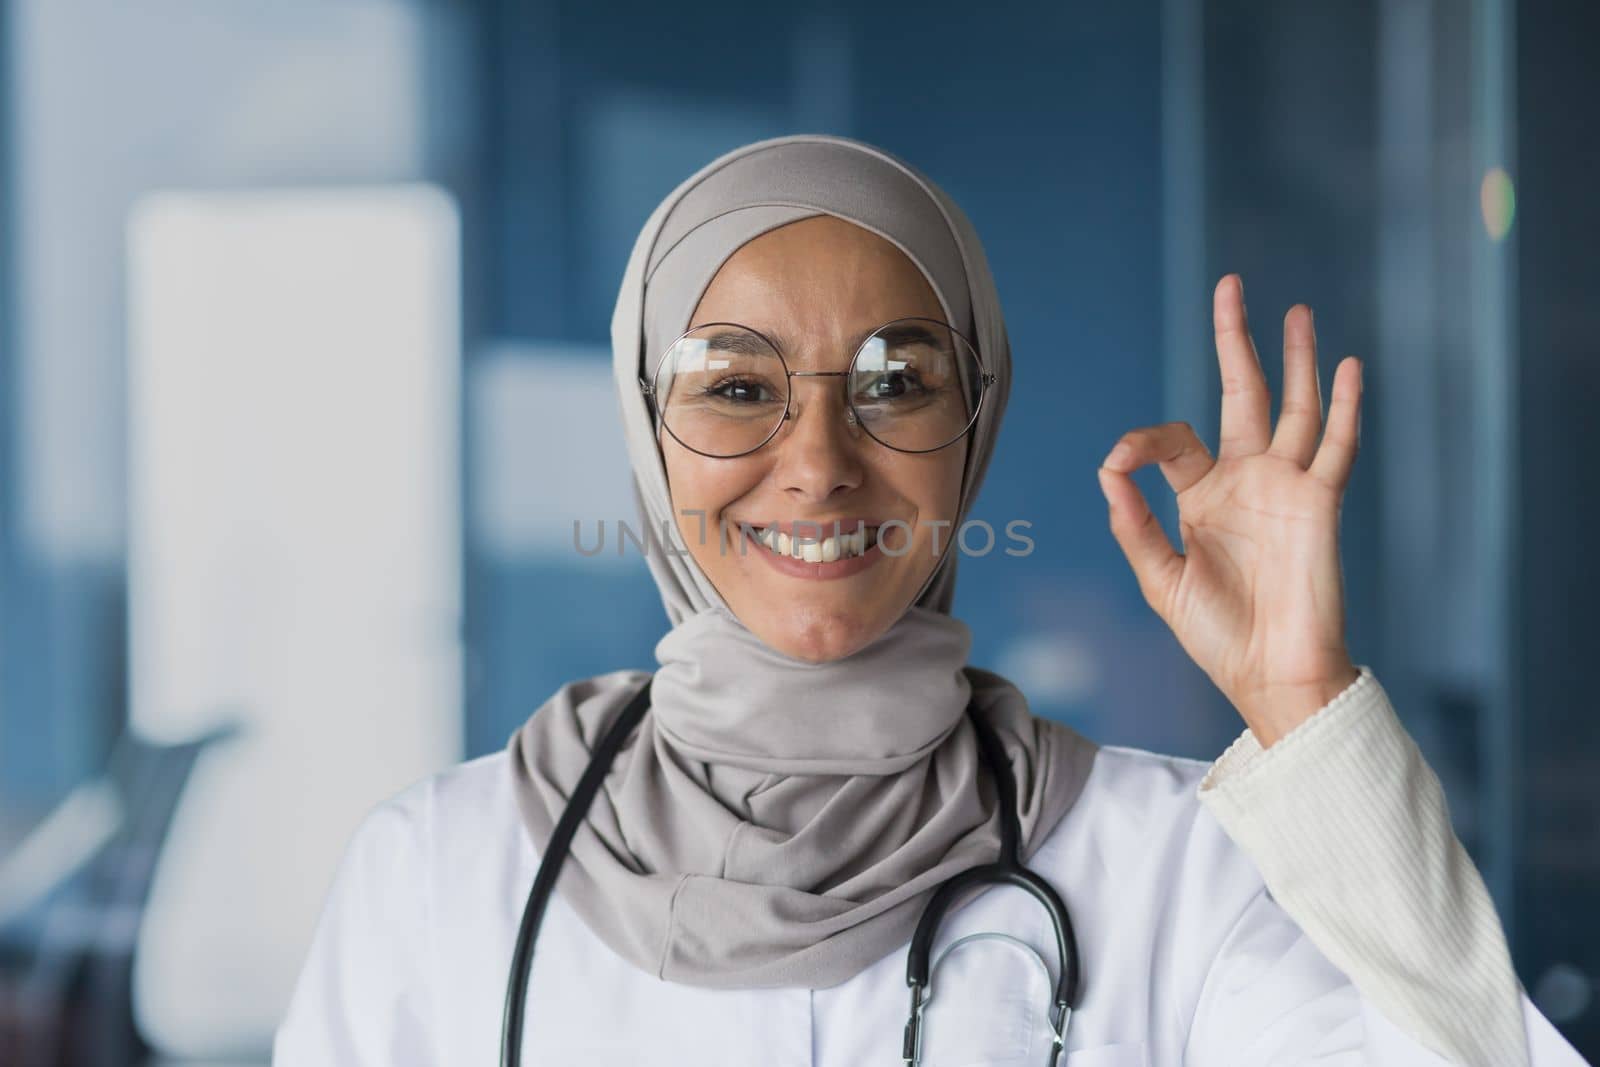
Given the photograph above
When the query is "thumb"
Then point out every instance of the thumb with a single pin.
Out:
(1155, 564)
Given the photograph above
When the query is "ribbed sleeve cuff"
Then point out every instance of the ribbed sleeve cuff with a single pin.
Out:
(1348, 826)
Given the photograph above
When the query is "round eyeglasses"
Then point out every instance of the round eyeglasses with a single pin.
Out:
(915, 385)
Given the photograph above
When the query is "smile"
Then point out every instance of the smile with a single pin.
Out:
(804, 555)
(811, 550)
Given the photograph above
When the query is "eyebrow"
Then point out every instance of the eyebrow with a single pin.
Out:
(726, 340)
(908, 333)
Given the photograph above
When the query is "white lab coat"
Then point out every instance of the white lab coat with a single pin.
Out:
(1187, 958)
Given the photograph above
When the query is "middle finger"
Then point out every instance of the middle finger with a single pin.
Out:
(1246, 403)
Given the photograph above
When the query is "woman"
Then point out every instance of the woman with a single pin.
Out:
(791, 347)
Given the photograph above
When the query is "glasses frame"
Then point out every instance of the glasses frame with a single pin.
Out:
(986, 379)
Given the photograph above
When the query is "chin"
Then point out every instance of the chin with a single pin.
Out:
(822, 637)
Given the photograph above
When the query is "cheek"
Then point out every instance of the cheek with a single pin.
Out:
(705, 485)
(952, 469)
(932, 483)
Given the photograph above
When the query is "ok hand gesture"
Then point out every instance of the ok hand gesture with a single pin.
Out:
(1256, 598)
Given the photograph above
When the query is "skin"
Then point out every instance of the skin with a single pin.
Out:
(822, 284)
(1257, 597)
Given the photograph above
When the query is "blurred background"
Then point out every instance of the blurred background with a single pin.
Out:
(304, 313)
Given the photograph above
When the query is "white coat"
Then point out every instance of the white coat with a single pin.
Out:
(1187, 958)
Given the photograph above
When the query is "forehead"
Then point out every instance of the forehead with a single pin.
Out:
(821, 275)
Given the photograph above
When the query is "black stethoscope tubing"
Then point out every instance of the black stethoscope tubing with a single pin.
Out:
(1007, 870)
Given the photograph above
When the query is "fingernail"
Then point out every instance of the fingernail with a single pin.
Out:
(1116, 456)
(1105, 488)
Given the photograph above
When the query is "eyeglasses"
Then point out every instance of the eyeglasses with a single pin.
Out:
(723, 389)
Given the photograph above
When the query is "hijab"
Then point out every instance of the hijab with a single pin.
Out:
(773, 822)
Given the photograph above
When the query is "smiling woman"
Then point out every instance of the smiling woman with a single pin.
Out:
(750, 855)
(824, 282)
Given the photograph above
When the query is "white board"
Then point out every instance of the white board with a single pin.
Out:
(294, 562)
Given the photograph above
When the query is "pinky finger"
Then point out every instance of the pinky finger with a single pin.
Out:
(1341, 440)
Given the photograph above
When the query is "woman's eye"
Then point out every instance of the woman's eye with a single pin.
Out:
(892, 385)
(740, 391)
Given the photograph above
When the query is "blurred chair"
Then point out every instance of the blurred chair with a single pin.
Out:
(72, 895)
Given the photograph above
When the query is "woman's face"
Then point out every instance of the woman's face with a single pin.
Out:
(817, 288)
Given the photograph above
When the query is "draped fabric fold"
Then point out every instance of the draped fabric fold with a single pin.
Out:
(773, 822)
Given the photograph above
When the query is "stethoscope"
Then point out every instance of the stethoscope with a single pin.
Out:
(1007, 870)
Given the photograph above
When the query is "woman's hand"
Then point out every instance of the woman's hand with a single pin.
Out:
(1257, 598)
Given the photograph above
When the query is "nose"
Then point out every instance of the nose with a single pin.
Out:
(818, 446)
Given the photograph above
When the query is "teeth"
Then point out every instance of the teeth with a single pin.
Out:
(827, 550)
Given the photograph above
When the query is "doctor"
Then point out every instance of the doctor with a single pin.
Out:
(808, 333)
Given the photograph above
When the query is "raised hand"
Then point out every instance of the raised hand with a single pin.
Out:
(1257, 597)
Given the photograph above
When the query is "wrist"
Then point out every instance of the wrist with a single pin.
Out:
(1272, 714)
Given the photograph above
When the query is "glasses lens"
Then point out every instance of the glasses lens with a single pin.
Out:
(721, 390)
(915, 385)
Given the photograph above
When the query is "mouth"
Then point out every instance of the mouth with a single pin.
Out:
(809, 546)
(805, 548)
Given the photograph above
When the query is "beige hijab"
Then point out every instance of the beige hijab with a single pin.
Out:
(773, 822)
